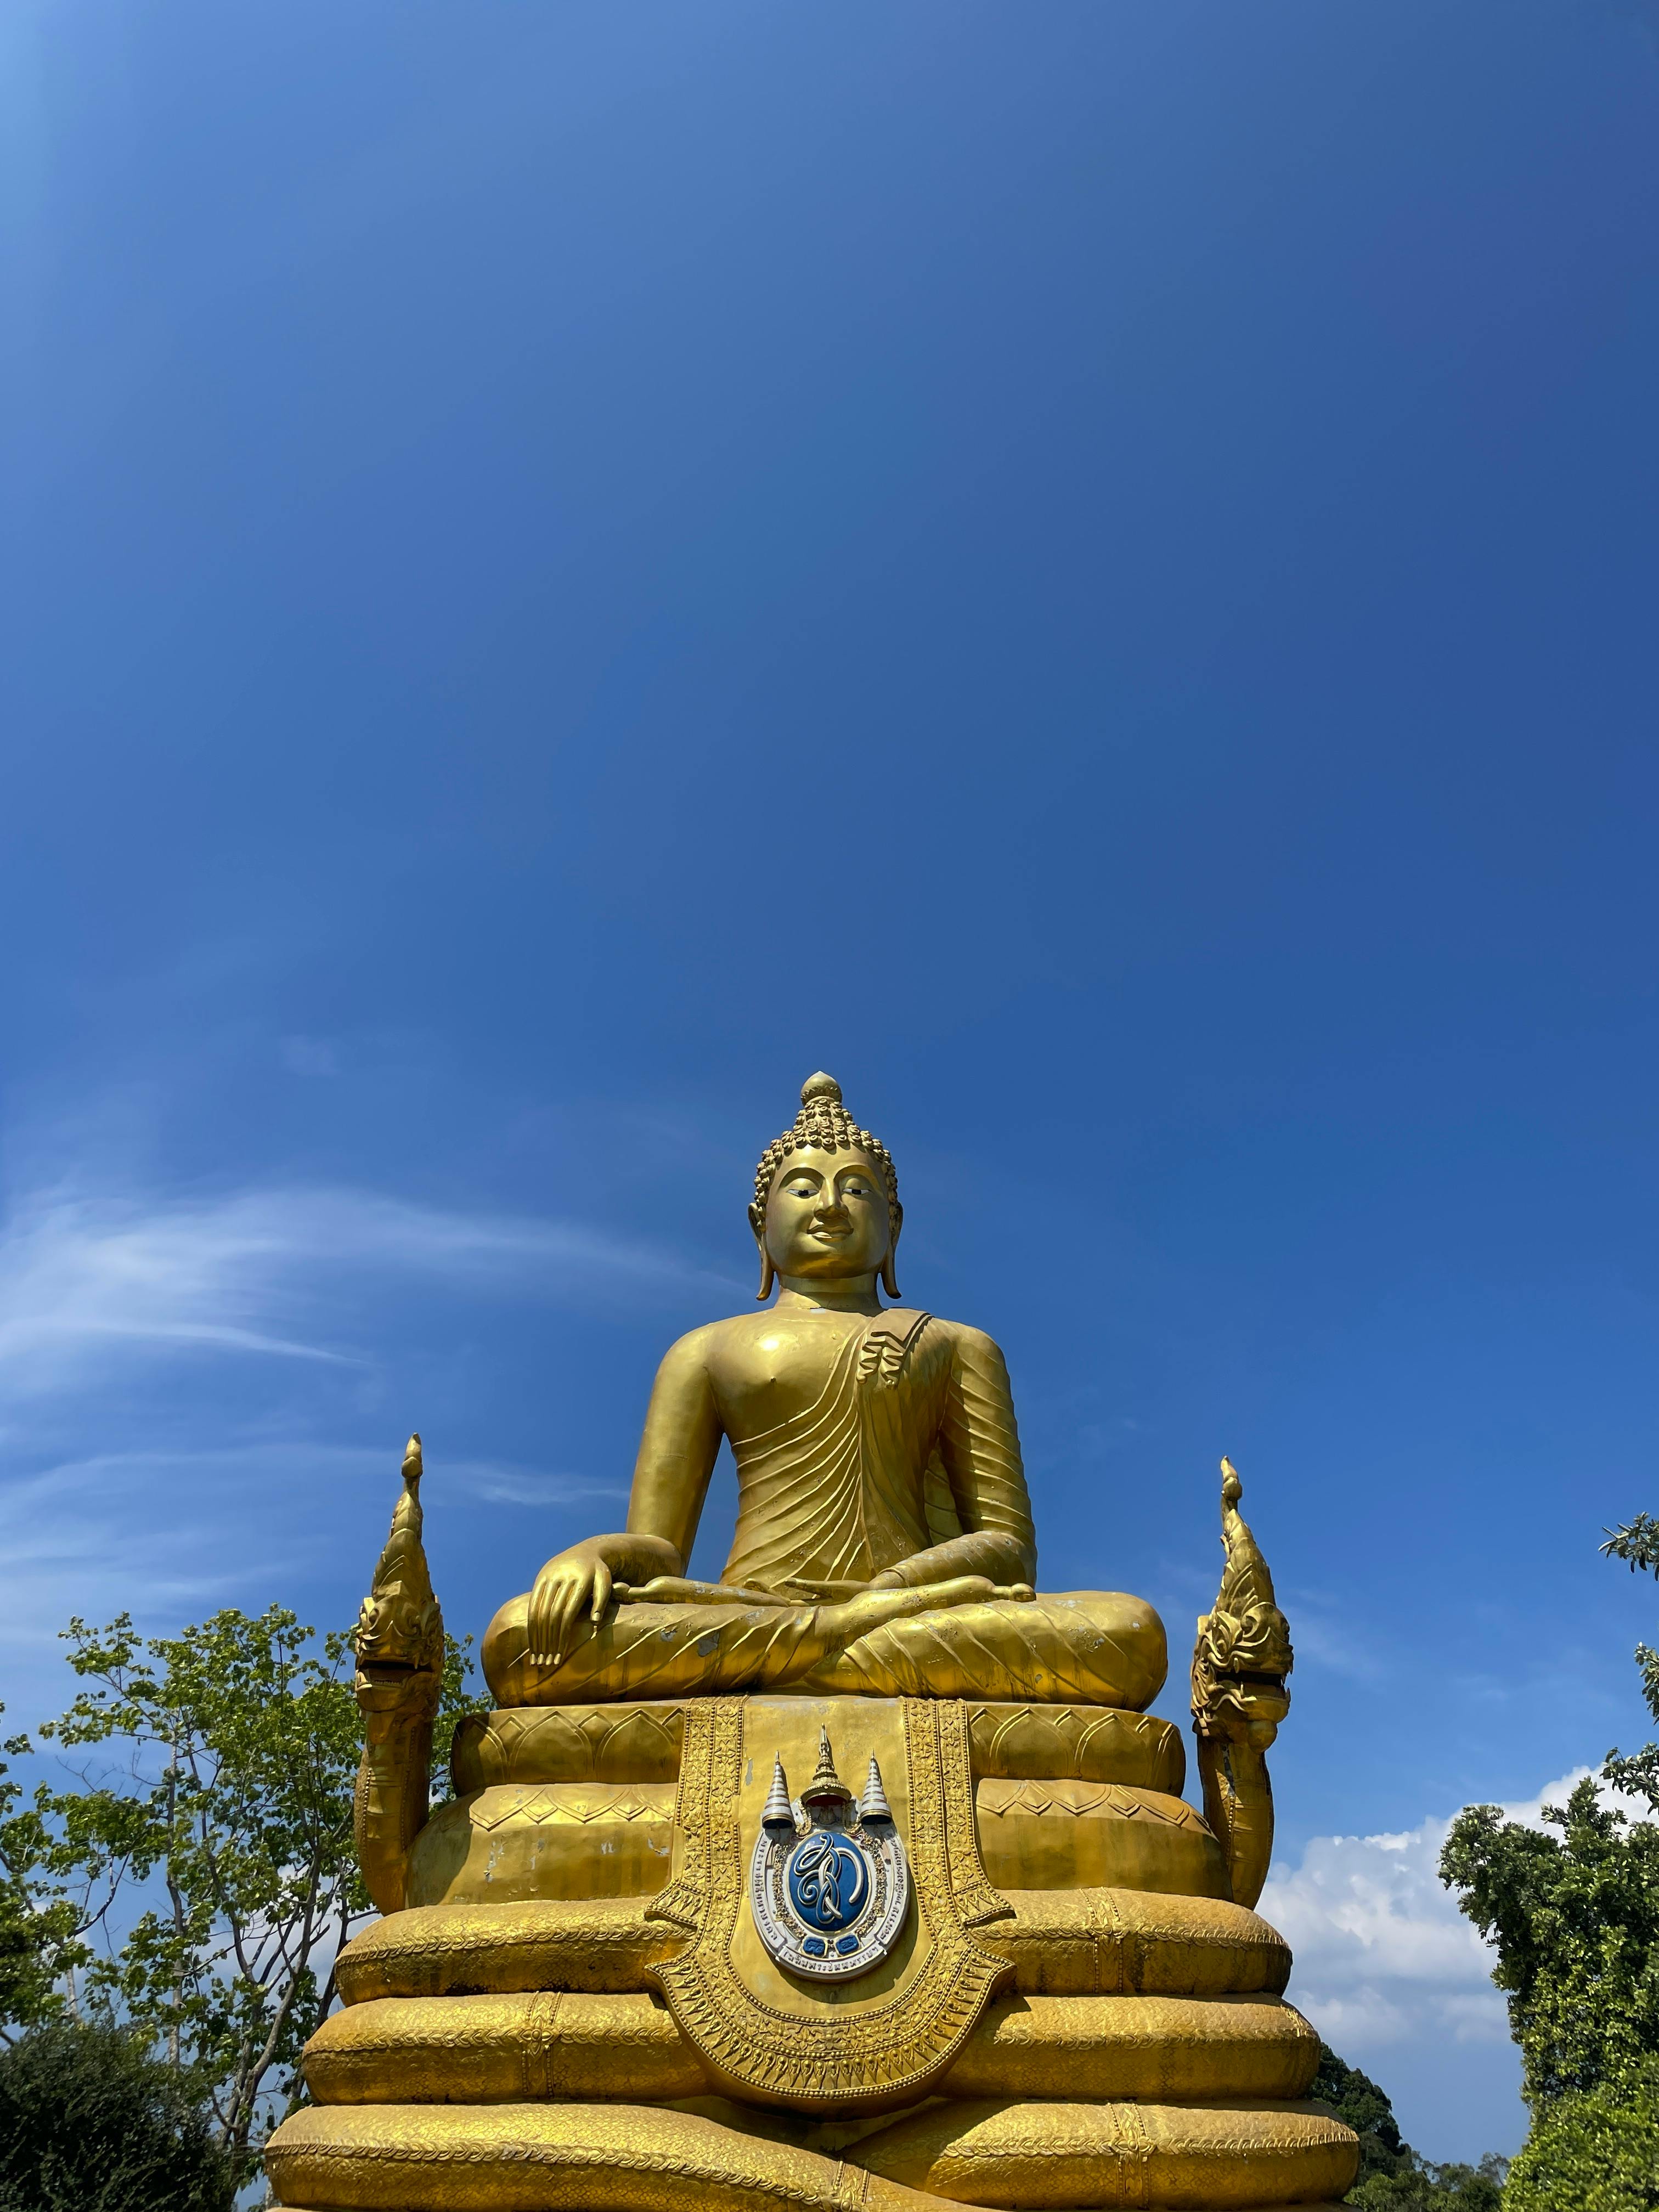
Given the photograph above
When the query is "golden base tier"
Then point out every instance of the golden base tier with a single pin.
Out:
(837, 1952)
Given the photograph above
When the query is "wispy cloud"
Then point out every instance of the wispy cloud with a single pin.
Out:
(512, 1485)
(166, 1529)
(230, 1493)
(82, 1276)
(170, 1535)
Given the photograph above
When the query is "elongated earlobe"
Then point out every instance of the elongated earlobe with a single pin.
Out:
(889, 1281)
(767, 1278)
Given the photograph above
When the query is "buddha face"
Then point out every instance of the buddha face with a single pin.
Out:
(826, 1215)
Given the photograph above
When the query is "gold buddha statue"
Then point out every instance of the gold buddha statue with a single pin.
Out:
(884, 1545)
(625, 1966)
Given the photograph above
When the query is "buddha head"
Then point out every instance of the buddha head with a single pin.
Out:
(826, 1207)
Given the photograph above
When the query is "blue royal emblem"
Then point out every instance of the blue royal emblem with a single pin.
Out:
(828, 1883)
(828, 1879)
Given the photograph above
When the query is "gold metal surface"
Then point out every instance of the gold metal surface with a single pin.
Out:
(856, 2046)
(556, 2158)
(546, 1839)
(1240, 1662)
(1079, 1835)
(1061, 2154)
(502, 2050)
(1071, 1942)
(1076, 1743)
(884, 1545)
(573, 2012)
(507, 2050)
(599, 1944)
(399, 1649)
(1059, 1943)
(1137, 2046)
(570, 1743)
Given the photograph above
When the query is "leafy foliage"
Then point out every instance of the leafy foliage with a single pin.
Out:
(1637, 1775)
(1360, 2105)
(1637, 1543)
(1426, 2188)
(223, 1795)
(1576, 1921)
(1575, 1917)
(1598, 2152)
(40, 1925)
(88, 2123)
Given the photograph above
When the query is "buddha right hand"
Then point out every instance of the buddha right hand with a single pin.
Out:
(569, 1597)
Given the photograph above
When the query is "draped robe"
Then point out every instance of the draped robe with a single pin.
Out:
(910, 1441)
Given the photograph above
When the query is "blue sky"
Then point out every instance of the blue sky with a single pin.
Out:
(1091, 570)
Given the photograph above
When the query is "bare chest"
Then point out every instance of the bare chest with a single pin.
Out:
(776, 1369)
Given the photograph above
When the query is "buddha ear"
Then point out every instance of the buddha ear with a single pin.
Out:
(889, 1280)
(758, 1223)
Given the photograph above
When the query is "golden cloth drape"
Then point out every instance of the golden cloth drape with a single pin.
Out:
(911, 1441)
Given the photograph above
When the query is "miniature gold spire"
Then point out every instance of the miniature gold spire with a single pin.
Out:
(873, 1805)
(778, 1812)
(826, 1787)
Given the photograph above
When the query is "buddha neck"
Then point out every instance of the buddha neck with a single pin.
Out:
(854, 1294)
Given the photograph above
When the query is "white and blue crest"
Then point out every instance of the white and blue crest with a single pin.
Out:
(828, 1883)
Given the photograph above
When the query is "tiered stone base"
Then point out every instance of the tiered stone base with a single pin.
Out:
(510, 2055)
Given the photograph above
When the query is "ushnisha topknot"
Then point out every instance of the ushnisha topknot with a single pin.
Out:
(824, 1122)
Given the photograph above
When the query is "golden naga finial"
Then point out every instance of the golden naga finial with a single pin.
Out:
(400, 1622)
(1241, 1659)
(399, 1647)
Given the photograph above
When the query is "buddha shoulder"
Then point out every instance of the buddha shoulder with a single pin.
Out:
(746, 1345)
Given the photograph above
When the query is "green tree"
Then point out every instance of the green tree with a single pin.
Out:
(1595, 2152)
(1360, 2105)
(223, 1796)
(90, 2123)
(1638, 1776)
(1574, 1915)
(41, 1926)
(1575, 1918)
(1426, 2188)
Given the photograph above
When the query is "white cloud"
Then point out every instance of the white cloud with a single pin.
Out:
(1384, 1957)
(84, 1277)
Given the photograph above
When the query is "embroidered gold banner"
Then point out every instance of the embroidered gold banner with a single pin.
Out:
(863, 2045)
